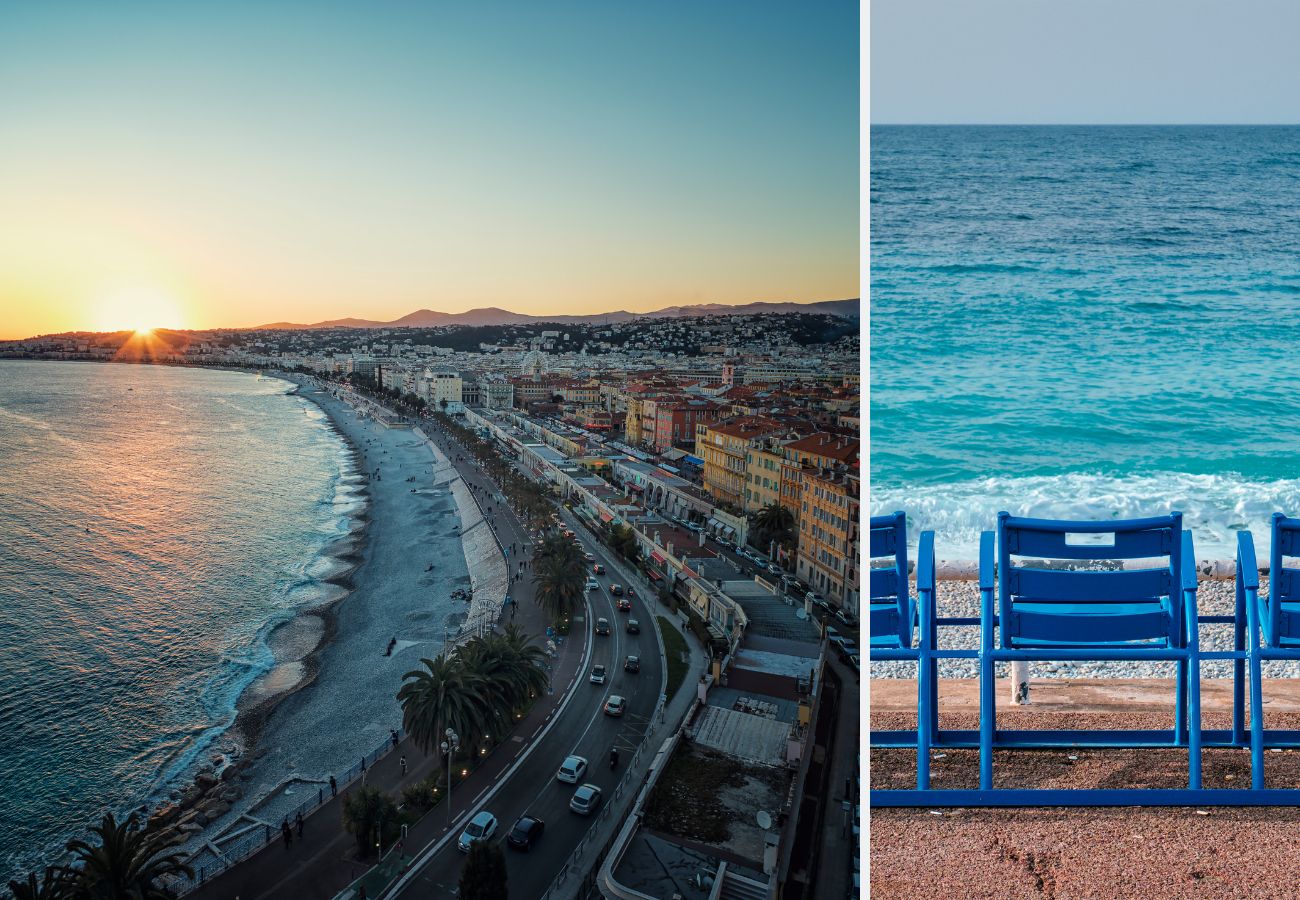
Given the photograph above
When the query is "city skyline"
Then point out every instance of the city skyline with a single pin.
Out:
(238, 167)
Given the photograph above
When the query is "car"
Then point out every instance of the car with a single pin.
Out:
(814, 597)
(480, 828)
(693, 526)
(632, 664)
(855, 662)
(592, 584)
(631, 592)
(572, 769)
(633, 626)
(597, 675)
(598, 569)
(602, 626)
(624, 604)
(589, 557)
(615, 705)
(774, 569)
(585, 799)
(616, 590)
(527, 831)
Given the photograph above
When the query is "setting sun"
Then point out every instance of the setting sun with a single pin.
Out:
(138, 309)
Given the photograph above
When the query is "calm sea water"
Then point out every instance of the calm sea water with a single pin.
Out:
(1085, 321)
(155, 523)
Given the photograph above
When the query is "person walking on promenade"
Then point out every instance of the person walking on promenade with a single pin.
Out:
(403, 762)
(334, 787)
(393, 732)
(299, 824)
(286, 833)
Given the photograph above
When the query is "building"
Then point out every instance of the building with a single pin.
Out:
(816, 451)
(497, 394)
(723, 447)
(763, 465)
(443, 391)
(829, 551)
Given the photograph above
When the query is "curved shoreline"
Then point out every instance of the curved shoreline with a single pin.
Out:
(234, 748)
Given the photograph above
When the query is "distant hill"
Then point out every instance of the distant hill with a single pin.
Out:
(491, 315)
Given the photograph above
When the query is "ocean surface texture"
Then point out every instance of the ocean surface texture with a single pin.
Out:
(1085, 322)
(155, 525)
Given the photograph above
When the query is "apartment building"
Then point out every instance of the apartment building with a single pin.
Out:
(723, 447)
(829, 551)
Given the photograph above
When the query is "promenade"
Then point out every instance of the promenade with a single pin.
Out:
(322, 863)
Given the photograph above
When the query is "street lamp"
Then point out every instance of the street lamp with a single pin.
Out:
(449, 748)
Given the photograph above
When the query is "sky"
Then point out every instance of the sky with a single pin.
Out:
(230, 164)
(1085, 62)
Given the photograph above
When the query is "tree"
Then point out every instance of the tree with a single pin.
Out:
(129, 862)
(559, 575)
(484, 875)
(367, 812)
(57, 883)
(773, 522)
(445, 694)
(624, 542)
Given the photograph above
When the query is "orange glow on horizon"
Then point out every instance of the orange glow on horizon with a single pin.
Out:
(138, 309)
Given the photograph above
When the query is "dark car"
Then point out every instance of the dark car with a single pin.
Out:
(616, 590)
(602, 626)
(633, 626)
(632, 664)
(527, 832)
(598, 569)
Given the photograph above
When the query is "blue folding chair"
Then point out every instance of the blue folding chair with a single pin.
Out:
(895, 617)
(1059, 613)
(1274, 624)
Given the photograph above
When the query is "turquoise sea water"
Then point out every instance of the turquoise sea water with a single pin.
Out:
(1085, 322)
(155, 524)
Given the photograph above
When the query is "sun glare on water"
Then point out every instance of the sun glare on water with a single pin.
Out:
(138, 309)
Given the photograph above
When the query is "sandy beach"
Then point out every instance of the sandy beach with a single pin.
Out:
(331, 697)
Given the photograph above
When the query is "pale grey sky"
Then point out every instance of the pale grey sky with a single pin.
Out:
(1085, 61)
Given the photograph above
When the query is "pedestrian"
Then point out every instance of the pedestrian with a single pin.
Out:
(403, 762)
(395, 738)
(299, 824)
(334, 787)
(286, 833)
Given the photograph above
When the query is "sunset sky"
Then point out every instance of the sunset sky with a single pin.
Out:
(176, 166)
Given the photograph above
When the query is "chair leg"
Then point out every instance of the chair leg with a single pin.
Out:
(1256, 723)
(1194, 722)
(1239, 687)
(925, 703)
(1180, 703)
(988, 718)
(934, 700)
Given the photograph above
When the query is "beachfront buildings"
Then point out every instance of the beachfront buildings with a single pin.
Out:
(764, 461)
(723, 446)
(829, 551)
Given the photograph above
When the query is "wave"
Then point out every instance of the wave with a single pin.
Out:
(1214, 507)
(982, 269)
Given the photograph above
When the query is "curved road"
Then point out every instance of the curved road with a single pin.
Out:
(582, 729)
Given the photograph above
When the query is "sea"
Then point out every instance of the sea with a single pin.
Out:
(1085, 322)
(155, 525)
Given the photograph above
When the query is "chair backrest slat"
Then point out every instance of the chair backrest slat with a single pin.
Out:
(884, 584)
(889, 582)
(1053, 585)
(1047, 539)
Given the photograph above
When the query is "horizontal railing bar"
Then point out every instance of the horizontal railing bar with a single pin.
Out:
(1079, 797)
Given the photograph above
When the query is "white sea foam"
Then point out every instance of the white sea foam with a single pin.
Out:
(1214, 507)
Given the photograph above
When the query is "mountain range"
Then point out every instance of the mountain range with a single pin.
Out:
(491, 315)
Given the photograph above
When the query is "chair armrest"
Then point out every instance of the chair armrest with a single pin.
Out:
(925, 562)
(1247, 569)
(986, 561)
(1188, 573)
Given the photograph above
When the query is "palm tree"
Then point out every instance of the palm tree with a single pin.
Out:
(58, 883)
(128, 863)
(559, 574)
(367, 812)
(445, 694)
(774, 522)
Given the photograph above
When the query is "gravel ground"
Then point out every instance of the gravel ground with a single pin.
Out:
(1173, 852)
(962, 598)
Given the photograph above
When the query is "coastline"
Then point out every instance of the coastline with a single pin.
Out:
(330, 698)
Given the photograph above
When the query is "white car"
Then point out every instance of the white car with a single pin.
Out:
(585, 799)
(572, 769)
(592, 584)
(597, 674)
(480, 828)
